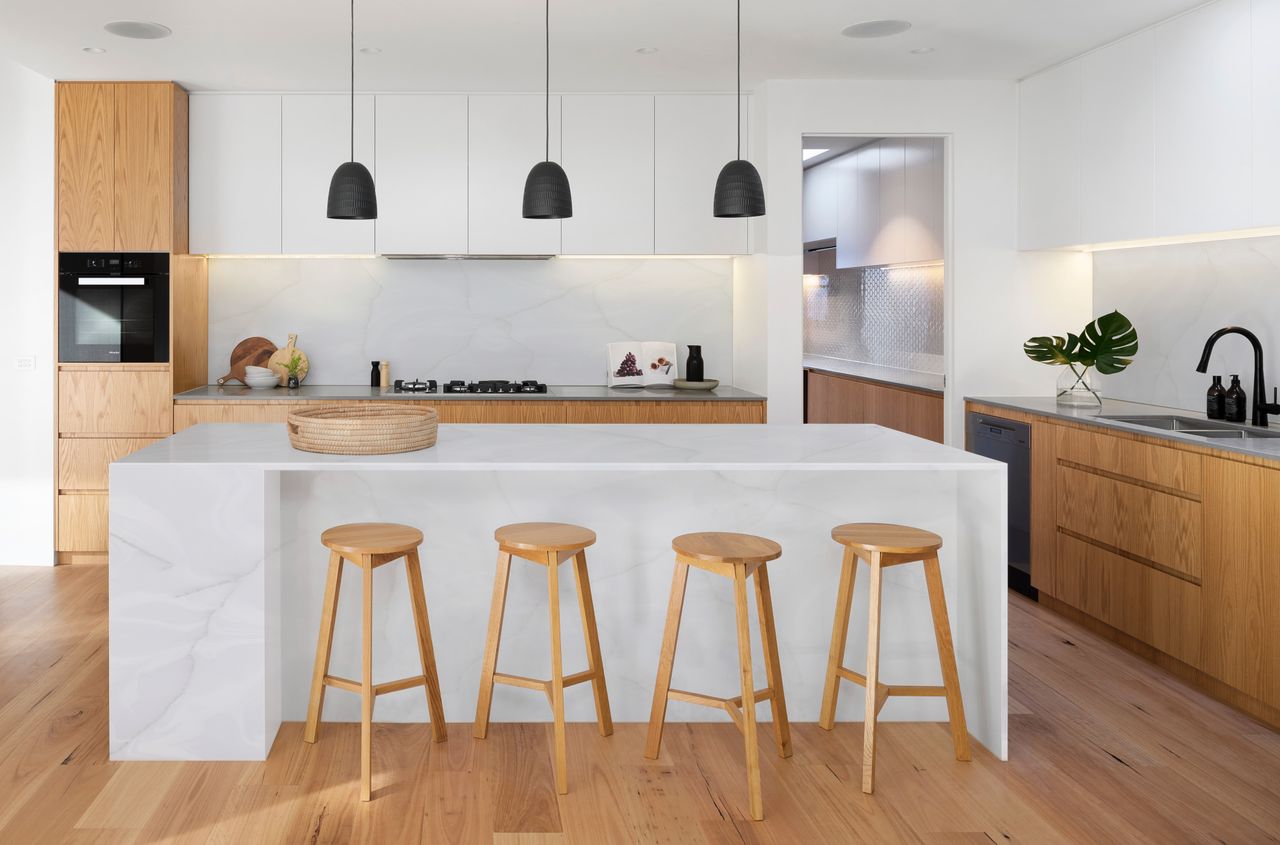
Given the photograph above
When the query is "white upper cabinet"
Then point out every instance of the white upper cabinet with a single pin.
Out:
(922, 225)
(316, 139)
(1117, 137)
(1266, 113)
(507, 134)
(694, 137)
(235, 173)
(819, 212)
(889, 203)
(422, 174)
(1203, 126)
(858, 207)
(608, 156)
(1049, 192)
(889, 241)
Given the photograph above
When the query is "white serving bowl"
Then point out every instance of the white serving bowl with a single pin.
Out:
(261, 382)
(251, 370)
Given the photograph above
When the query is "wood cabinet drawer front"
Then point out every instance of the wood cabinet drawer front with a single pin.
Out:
(1159, 609)
(82, 522)
(115, 402)
(83, 461)
(1161, 528)
(1158, 465)
(185, 416)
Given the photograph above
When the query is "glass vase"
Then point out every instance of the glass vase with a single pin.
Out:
(1075, 388)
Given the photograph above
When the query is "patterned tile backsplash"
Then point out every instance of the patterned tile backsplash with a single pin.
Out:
(890, 316)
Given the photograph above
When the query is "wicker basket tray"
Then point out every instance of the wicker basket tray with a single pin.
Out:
(363, 429)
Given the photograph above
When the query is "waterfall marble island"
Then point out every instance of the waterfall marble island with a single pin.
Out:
(217, 572)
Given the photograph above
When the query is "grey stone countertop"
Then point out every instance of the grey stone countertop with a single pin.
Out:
(932, 382)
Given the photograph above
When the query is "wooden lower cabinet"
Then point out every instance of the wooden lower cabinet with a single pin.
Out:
(845, 399)
(1171, 550)
(115, 400)
(82, 522)
(83, 461)
(187, 414)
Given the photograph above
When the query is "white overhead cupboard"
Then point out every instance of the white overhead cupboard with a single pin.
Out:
(450, 172)
(1169, 132)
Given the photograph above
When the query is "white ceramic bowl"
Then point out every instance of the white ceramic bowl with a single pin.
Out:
(261, 382)
(255, 371)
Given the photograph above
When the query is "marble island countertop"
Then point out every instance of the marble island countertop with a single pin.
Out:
(581, 447)
(555, 392)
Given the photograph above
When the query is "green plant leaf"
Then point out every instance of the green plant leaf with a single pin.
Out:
(1109, 343)
(1053, 350)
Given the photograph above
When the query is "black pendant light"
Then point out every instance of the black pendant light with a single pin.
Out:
(546, 189)
(351, 192)
(739, 192)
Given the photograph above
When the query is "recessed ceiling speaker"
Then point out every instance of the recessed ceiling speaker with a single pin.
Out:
(875, 29)
(138, 29)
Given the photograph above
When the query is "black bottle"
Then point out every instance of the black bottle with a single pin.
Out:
(1236, 401)
(375, 378)
(693, 364)
(1216, 400)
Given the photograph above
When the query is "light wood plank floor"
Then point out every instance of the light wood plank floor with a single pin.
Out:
(1105, 748)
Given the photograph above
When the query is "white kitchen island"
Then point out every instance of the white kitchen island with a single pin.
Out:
(217, 572)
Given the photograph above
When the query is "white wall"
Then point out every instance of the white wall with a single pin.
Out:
(26, 317)
(995, 296)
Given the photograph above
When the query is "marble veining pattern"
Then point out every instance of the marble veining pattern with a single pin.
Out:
(548, 320)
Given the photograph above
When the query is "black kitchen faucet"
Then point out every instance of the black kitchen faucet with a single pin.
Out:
(1261, 407)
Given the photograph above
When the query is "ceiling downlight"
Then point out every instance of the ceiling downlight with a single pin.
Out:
(876, 29)
(144, 30)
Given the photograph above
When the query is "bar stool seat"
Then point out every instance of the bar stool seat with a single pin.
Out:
(548, 544)
(735, 556)
(883, 545)
(369, 545)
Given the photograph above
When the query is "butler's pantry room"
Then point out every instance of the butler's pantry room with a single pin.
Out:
(590, 422)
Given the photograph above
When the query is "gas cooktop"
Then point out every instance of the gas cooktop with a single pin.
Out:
(460, 386)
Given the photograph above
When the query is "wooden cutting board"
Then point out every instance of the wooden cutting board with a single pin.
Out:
(284, 355)
(252, 351)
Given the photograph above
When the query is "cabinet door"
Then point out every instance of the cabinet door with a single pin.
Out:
(115, 401)
(1202, 120)
(819, 202)
(315, 132)
(922, 223)
(86, 167)
(694, 138)
(1117, 137)
(143, 161)
(235, 174)
(858, 207)
(608, 154)
(889, 242)
(82, 522)
(1266, 117)
(422, 174)
(1049, 192)
(506, 139)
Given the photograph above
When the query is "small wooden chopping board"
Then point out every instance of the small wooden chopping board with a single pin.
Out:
(284, 355)
(252, 351)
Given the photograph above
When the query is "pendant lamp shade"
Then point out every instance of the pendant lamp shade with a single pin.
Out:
(739, 191)
(546, 188)
(351, 192)
(546, 193)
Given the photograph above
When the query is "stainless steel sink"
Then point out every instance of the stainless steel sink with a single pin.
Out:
(1193, 426)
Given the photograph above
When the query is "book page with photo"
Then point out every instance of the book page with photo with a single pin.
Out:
(642, 363)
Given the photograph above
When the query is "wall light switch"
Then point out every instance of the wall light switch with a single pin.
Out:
(24, 362)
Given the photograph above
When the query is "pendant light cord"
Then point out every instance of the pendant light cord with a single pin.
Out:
(547, 23)
(353, 80)
(739, 79)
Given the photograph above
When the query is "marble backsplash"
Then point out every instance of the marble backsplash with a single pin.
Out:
(1176, 297)
(548, 320)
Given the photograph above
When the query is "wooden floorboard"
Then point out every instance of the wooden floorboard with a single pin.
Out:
(1104, 747)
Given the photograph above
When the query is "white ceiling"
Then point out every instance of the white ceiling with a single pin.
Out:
(479, 45)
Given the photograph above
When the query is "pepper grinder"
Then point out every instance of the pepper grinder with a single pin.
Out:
(385, 374)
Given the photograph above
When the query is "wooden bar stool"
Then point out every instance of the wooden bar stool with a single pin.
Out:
(549, 544)
(882, 545)
(369, 545)
(736, 556)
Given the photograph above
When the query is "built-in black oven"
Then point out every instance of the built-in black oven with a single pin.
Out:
(113, 307)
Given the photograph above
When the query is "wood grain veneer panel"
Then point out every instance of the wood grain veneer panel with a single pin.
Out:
(143, 162)
(189, 328)
(185, 416)
(82, 522)
(85, 166)
(114, 401)
(1158, 465)
(1044, 508)
(83, 461)
(841, 399)
(180, 166)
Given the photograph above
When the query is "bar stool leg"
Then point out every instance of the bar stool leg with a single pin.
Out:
(490, 666)
(947, 657)
(557, 675)
(594, 662)
(666, 661)
(366, 685)
(748, 694)
(426, 651)
(873, 678)
(839, 636)
(772, 665)
(324, 647)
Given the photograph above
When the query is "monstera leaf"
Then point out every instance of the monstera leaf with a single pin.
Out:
(1109, 343)
(1053, 350)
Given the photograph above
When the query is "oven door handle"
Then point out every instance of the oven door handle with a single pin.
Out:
(111, 281)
